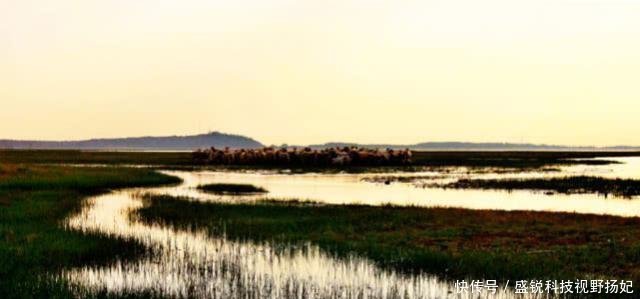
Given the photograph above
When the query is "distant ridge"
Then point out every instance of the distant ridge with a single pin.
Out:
(189, 142)
(221, 140)
(480, 146)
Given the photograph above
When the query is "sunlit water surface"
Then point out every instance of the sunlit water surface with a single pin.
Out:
(197, 264)
(367, 189)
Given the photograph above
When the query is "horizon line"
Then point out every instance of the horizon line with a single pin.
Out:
(329, 142)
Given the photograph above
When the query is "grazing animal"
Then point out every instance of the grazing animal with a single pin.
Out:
(345, 156)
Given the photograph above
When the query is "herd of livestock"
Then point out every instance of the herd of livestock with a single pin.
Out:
(303, 156)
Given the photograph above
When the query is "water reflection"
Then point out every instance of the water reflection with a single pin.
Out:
(365, 189)
(196, 264)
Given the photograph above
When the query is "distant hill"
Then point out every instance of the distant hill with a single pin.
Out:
(189, 142)
(479, 146)
(221, 140)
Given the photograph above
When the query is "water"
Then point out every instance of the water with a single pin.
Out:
(196, 264)
(362, 189)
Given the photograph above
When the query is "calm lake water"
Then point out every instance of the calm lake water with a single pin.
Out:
(368, 189)
(196, 264)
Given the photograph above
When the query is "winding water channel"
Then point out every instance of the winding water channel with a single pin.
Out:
(196, 264)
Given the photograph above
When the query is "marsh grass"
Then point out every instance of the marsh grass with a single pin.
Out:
(568, 185)
(94, 157)
(33, 243)
(454, 243)
(231, 189)
(79, 179)
(514, 159)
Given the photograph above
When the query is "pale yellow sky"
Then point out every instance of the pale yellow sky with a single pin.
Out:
(302, 71)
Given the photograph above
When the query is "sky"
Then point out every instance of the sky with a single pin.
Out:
(304, 71)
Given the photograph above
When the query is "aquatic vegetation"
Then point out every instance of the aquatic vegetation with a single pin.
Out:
(234, 189)
(514, 159)
(453, 243)
(191, 263)
(450, 242)
(566, 185)
(34, 200)
(441, 173)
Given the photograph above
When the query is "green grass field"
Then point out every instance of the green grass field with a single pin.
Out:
(33, 202)
(454, 243)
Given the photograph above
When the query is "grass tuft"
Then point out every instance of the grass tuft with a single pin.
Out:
(233, 189)
(567, 185)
